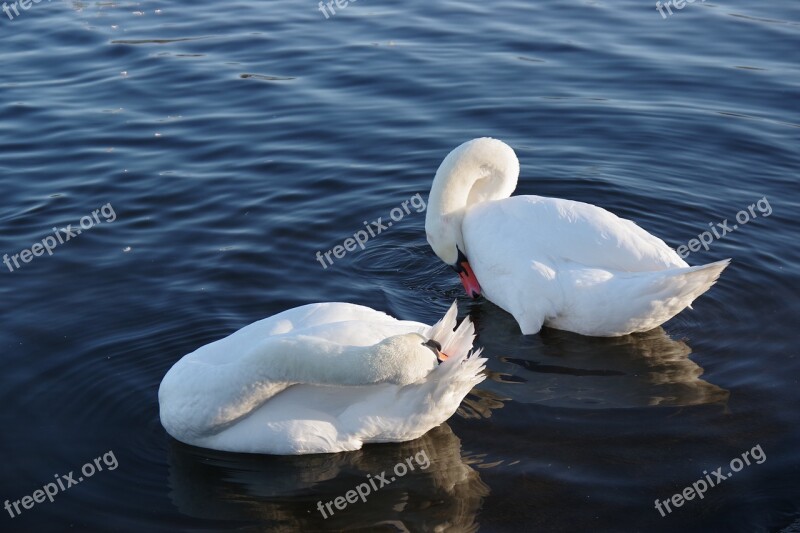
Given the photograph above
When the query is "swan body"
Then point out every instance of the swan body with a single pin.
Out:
(320, 378)
(547, 261)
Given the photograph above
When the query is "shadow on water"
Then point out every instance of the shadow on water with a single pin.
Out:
(570, 370)
(282, 491)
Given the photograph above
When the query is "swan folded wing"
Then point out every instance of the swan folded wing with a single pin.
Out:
(553, 230)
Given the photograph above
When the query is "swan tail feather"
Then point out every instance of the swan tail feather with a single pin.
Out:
(455, 341)
(463, 367)
(445, 326)
(458, 375)
(670, 292)
(694, 281)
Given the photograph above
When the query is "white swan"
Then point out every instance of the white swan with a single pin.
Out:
(320, 378)
(565, 264)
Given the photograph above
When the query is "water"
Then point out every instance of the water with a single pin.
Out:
(235, 140)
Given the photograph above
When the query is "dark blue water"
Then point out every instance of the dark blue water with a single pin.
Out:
(234, 140)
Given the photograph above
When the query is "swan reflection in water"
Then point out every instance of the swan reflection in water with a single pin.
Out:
(564, 369)
(281, 492)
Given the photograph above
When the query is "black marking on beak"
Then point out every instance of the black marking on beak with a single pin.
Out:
(436, 348)
(459, 266)
(468, 279)
(433, 345)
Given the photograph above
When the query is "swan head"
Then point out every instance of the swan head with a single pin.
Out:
(403, 359)
(479, 170)
(436, 347)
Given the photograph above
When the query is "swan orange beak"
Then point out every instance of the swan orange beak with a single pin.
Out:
(469, 280)
(466, 275)
(437, 350)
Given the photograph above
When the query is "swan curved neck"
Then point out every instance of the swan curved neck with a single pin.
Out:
(399, 360)
(351, 366)
(327, 364)
(478, 171)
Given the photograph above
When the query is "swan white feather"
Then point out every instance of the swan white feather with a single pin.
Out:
(319, 378)
(547, 261)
